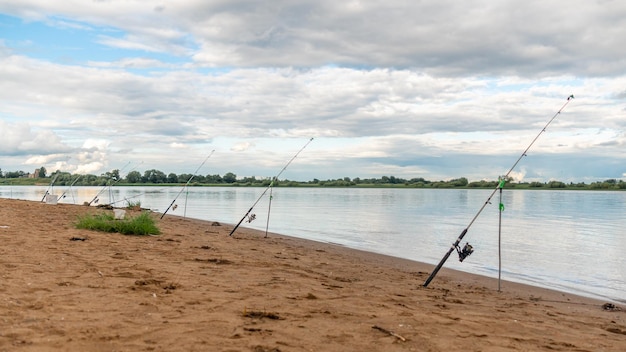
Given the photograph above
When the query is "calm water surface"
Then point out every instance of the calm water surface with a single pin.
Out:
(571, 241)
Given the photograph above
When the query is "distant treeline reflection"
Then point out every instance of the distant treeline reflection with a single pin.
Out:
(158, 177)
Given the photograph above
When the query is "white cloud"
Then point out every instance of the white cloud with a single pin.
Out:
(97, 144)
(242, 146)
(178, 145)
(446, 37)
(131, 63)
(18, 138)
(39, 160)
(408, 87)
(518, 176)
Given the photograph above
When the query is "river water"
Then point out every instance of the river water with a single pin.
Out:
(571, 241)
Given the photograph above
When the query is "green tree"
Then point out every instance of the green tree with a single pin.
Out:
(90, 180)
(154, 176)
(42, 172)
(63, 178)
(213, 179)
(556, 184)
(249, 180)
(15, 174)
(113, 175)
(459, 182)
(133, 177)
(183, 178)
(172, 178)
(229, 177)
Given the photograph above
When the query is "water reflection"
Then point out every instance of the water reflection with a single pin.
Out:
(567, 240)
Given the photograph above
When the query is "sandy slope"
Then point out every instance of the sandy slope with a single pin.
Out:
(193, 288)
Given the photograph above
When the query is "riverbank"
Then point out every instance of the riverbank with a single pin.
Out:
(195, 288)
(385, 182)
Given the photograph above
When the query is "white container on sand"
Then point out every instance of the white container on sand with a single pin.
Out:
(119, 214)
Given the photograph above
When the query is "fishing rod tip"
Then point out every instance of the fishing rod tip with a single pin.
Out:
(570, 97)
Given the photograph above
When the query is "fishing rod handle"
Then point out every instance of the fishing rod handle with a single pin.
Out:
(239, 223)
(168, 208)
(445, 258)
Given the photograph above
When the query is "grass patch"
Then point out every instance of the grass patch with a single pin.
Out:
(133, 205)
(140, 225)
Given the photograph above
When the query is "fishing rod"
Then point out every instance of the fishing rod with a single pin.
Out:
(468, 249)
(72, 184)
(105, 187)
(50, 186)
(126, 199)
(187, 184)
(109, 184)
(265, 191)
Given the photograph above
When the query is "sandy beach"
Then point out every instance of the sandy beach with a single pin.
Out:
(194, 288)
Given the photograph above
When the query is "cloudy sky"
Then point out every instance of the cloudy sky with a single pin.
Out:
(435, 89)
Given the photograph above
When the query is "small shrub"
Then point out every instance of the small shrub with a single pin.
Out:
(141, 225)
(133, 204)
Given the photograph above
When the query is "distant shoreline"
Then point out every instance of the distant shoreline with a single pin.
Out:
(293, 184)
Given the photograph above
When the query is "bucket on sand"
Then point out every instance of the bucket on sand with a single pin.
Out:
(52, 199)
(119, 214)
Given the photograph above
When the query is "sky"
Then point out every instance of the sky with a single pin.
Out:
(434, 89)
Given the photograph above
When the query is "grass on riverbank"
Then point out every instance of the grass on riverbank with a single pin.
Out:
(140, 225)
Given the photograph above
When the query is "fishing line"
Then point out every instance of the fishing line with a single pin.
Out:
(72, 184)
(50, 186)
(467, 249)
(127, 199)
(187, 184)
(95, 199)
(109, 185)
(252, 216)
(111, 200)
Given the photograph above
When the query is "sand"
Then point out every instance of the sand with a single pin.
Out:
(194, 288)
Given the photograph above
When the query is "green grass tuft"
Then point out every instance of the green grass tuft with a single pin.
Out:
(140, 225)
(130, 204)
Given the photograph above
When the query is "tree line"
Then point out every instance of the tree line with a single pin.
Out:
(157, 177)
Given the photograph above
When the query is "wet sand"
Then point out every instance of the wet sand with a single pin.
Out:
(194, 288)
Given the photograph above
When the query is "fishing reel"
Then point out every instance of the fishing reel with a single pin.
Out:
(465, 252)
(251, 217)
